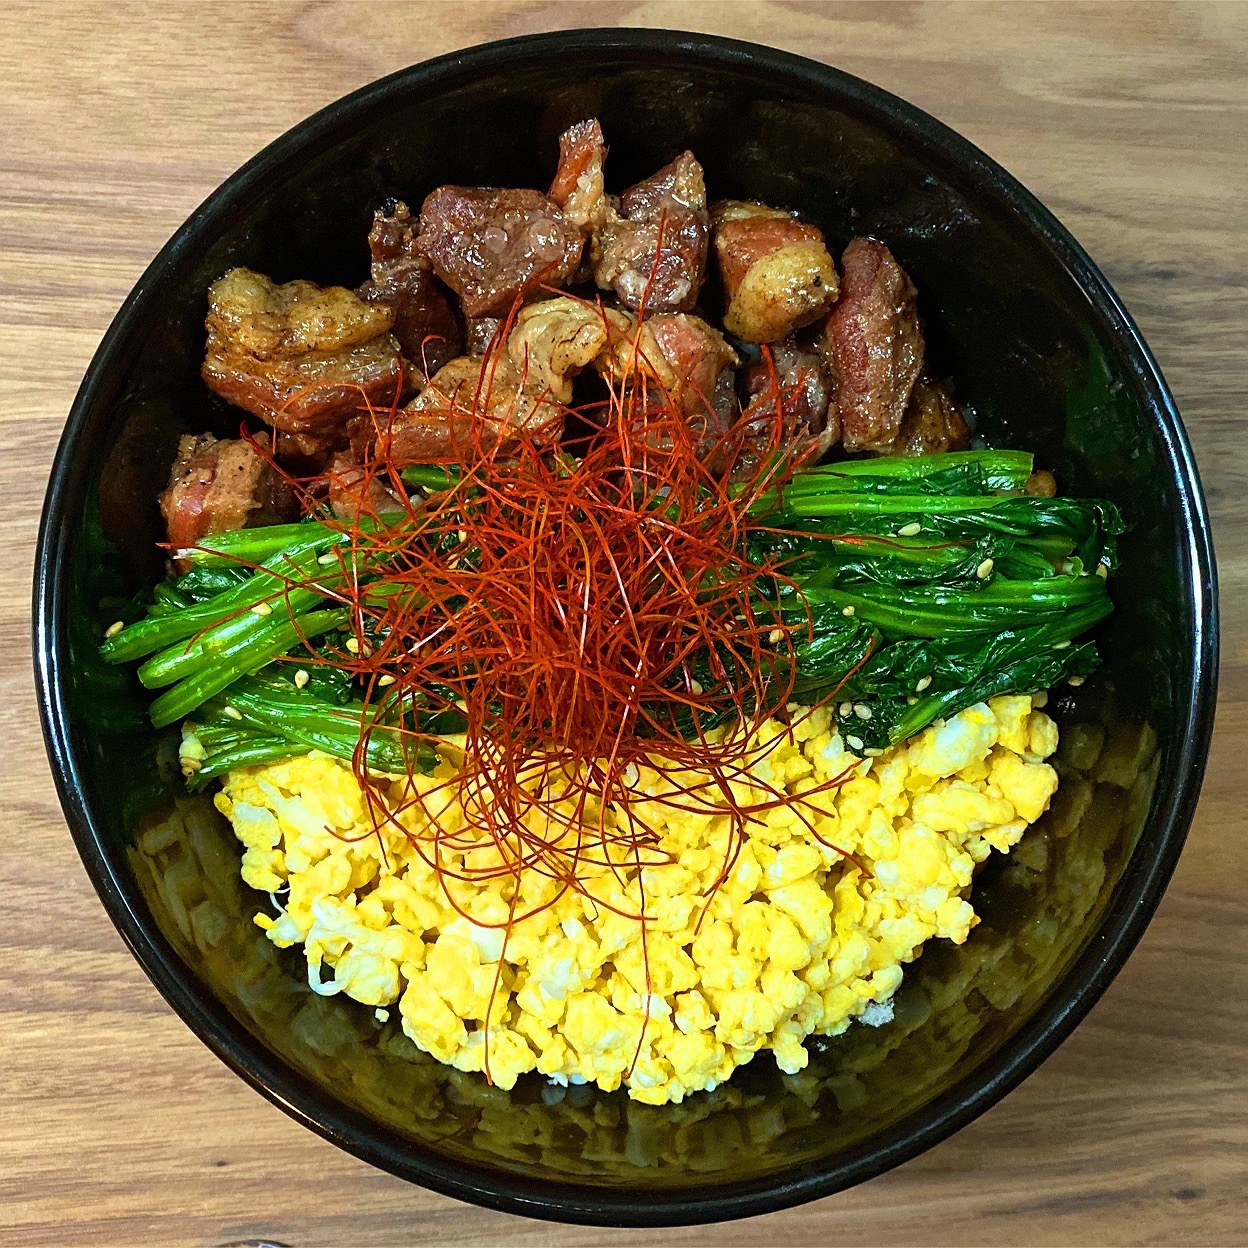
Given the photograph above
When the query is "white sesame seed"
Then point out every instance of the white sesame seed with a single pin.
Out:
(845, 708)
(862, 710)
(1102, 570)
(912, 700)
(910, 530)
(854, 743)
(301, 679)
(232, 711)
(924, 681)
(1039, 699)
(775, 637)
(1076, 681)
(385, 680)
(113, 629)
(1061, 645)
(847, 611)
(984, 571)
(695, 687)
(381, 1014)
(353, 645)
(327, 558)
(262, 608)
(938, 723)
(873, 753)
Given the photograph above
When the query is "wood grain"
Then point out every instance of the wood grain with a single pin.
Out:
(116, 1125)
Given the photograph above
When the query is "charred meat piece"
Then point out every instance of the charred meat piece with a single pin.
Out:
(554, 340)
(355, 487)
(776, 271)
(873, 345)
(654, 253)
(675, 355)
(307, 454)
(933, 423)
(578, 187)
(789, 413)
(428, 331)
(492, 247)
(480, 333)
(679, 367)
(471, 405)
(299, 356)
(218, 486)
(802, 380)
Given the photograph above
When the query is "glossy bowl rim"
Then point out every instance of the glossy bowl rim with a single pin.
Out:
(1124, 919)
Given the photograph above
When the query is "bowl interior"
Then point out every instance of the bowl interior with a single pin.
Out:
(1041, 365)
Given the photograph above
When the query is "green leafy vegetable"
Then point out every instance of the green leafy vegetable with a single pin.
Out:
(910, 589)
(265, 718)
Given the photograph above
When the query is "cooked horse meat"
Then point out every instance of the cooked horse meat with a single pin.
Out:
(654, 253)
(218, 486)
(789, 413)
(578, 187)
(299, 356)
(678, 367)
(354, 488)
(933, 422)
(307, 454)
(428, 331)
(494, 246)
(874, 345)
(554, 340)
(674, 355)
(800, 375)
(471, 401)
(776, 272)
(479, 334)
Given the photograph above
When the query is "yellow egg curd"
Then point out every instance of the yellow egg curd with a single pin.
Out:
(799, 939)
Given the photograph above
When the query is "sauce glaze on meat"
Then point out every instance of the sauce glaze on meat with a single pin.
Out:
(402, 279)
(492, 247)
(653, 253)
(300, 356)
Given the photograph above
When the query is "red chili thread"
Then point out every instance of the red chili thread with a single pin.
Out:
(561, 611)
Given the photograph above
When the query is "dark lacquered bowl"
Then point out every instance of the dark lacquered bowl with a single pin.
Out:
(1049, 361)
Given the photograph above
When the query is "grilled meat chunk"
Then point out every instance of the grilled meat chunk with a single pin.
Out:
(425, 325)
(933, 423)
(494, 246)
(578, 187)
(217, 486)
(554, 340)
(654, 252)
(776, 272)
(674, 355)
(873, 345)
(355, 487)
(301, 357)
(469, 401)
(479, 334)
(681, 369)
(789, 413)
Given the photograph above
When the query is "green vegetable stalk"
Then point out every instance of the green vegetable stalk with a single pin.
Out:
(910, 589)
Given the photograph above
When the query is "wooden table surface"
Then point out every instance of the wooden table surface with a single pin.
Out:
(116, 1125)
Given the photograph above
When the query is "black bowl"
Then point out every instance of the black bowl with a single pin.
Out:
(1049, 361)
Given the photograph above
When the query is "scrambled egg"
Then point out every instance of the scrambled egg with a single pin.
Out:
(798, 939)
